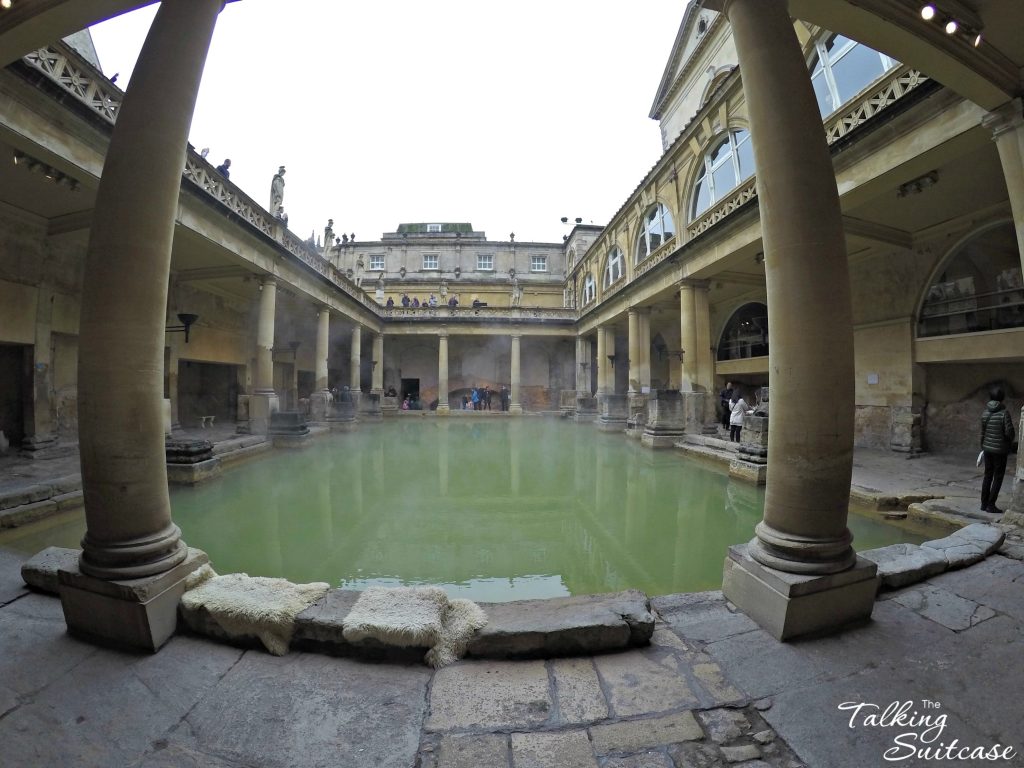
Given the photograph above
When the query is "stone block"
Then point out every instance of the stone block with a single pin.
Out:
(489, 695)
(788, 605)
(944, 607)
(568, 749)
(612, 412)
(27, 513)
(635, 735)
(650, 759)
(748, 471)
(473, 751)
(323, 621)
(724, 725)
(320, 405)
(138, 613)
(564, 626)
(741, 753)
(260, 408)
(188, 451)
(968, 545)
(194, 474)
(642, 682)
(578, 691)
(40, 570)
(903, 564)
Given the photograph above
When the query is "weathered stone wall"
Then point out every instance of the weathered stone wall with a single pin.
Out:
(871, 426)
(957, 395)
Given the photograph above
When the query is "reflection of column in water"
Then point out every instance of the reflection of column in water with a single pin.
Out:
(514, 446)
(272, 510)
(442, 456)
(631, 477)
(745, 505)
(322, 506)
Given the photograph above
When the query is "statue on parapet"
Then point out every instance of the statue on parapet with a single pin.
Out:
(277, 190)
(328, 236)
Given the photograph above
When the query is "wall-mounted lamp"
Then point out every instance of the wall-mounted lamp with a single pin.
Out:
(677, 354)
(584, 366)
(373, 363)
(48, 172)
(954, 17)
(611, 359)
(6, 4)
(187, 321)
(458, 272)
(918, 185)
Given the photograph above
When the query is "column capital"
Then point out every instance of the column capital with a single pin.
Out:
(267, 280)
(1008, 117)
(443, 333)
(693, 282)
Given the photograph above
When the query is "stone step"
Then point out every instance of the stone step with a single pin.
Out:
(564, 626)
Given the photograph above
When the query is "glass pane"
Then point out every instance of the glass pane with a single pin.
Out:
(823, 94)
(745, 153)
(702, 198)
(724, 179)
(855, 70)
(719, 152)
(666, 223)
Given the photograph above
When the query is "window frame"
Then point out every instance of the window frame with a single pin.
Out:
(375, 259)
(434, 229)
(589, 292)
(480, 264)
(662, 214)
(538, 258)
(436, 257)
(709, 168)
(618, 258)
(820, 56)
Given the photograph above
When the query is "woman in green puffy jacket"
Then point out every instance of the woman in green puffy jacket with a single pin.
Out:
(997, 436)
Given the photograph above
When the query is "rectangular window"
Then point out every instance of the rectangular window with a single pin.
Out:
(485, 262)
(377, 262)
(430, 261)
(538, 263)
(433, 227)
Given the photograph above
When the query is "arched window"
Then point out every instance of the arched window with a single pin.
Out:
(729, 162)
(589, 289)
(656, 228)
(613, 268)
(978, 289)
(840, 69)
(746, 333)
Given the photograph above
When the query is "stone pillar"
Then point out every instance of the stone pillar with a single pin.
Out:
(264, 400)
(40, 429)
(609, 350)
(130, 534)
(688, 338)
(703, 361)
(634, 351)
(602, 360)
(1007, 126)
(582, 365)
(645, 349)
(1015, 511)
(515, 406)
(784, 577)
(173, 363)
(378, 365)
(320, 399)
(443, 408)
(355, 359)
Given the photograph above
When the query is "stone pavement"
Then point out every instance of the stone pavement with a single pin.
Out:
(711, 690)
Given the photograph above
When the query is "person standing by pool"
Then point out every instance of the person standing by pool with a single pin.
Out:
(504, 398)
(487, 397)
(738, 408)
(997, 436)
(724, 397)
(475, 397)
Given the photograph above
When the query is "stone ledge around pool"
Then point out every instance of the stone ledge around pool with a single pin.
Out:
(560, 626)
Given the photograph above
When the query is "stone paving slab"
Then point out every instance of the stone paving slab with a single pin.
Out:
(644, 733)
(969, 545)
(11, 585)
(944, 607)
(40, 570)
(487, 695)
(567, 749)
(578, 694)
(644, 681)
(903, 564)
(470, 752)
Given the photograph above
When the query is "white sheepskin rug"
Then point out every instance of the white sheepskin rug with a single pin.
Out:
(252, 606)
(415, 616)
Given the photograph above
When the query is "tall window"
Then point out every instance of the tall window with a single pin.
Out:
(613, 268)
(840, 69)
(729, 162)
(538, 263)
(746, 333)
(376, 262)
(430, 261)
(589, 289)
(656, 229)
(979, 288)
(485, 262)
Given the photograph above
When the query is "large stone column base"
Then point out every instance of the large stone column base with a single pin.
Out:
(749, 471)
(320, 406)
(137, 613)
(261, 405)
(515, 409)
(788, 605)
(443, 409)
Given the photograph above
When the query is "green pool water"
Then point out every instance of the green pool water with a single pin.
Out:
(491, 509)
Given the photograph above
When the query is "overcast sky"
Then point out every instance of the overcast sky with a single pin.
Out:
(508, 116)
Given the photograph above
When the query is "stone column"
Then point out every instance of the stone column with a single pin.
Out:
(355, 359)
(645, 349)
(320, 399)
(634, 351)
(130, 534)
(810, 323)
(602, 361)
(582, 365)
(704, 364)
(688, 338)
(173, 363)
(1007, 126)
(40, 426)
(443, 408)
(264, 400)
(378, 365)
(515, 406)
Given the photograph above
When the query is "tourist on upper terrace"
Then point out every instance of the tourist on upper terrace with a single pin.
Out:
(390, 303)
(432, 301)
(222, 169)
(405, 300)
(738, 408)
(997, 436)
(453, 302)
(415, 301)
